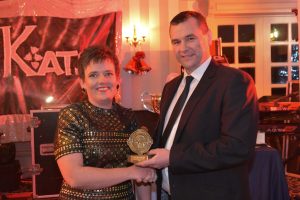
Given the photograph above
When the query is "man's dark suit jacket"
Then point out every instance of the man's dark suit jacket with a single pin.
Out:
(215, 138)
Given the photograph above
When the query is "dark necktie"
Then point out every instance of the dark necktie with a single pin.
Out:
(176, 111)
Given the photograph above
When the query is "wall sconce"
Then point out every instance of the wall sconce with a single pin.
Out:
(134, 40)
(136, 64)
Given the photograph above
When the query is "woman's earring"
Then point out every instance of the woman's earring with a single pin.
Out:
(118, 95)
(83, 91)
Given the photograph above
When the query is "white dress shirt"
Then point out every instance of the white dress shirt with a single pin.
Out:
(197, 75)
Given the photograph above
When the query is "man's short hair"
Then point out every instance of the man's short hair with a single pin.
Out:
(185, 15)
(96, 54)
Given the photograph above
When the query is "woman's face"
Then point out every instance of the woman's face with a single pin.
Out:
(100, 83)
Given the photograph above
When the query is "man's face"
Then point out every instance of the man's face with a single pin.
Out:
(190, 45)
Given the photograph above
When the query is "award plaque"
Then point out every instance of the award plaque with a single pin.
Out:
(139, 142)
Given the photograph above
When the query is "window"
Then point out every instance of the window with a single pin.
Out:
(284, 57)
(266, 47)
(238, 46)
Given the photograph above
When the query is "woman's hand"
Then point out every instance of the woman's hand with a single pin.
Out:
(141, 174)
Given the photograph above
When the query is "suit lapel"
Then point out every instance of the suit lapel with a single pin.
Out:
(199, 93)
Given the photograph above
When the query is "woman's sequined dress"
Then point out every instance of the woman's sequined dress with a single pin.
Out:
(101, 136)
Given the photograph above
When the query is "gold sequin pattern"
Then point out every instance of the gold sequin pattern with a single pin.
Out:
(101, 136)
(118, 192)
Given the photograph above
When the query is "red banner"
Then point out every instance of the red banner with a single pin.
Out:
(38, 58)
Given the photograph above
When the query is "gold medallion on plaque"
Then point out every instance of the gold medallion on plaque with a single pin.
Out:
(139, 142)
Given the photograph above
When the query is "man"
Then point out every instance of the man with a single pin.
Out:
(203, 152)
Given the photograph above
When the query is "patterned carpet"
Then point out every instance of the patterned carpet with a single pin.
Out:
(294, 187)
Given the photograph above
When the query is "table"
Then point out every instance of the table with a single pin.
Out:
(266, 176)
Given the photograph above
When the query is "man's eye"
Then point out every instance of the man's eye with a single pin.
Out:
(175, 42)
(190, 38)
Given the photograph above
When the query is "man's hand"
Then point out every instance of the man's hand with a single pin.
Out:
(159, 160)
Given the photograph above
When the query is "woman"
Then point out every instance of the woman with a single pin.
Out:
(90, 144)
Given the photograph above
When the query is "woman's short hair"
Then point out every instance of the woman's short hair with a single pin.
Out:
(96, 54)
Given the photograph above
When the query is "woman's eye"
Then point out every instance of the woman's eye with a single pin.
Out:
(108, 74)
